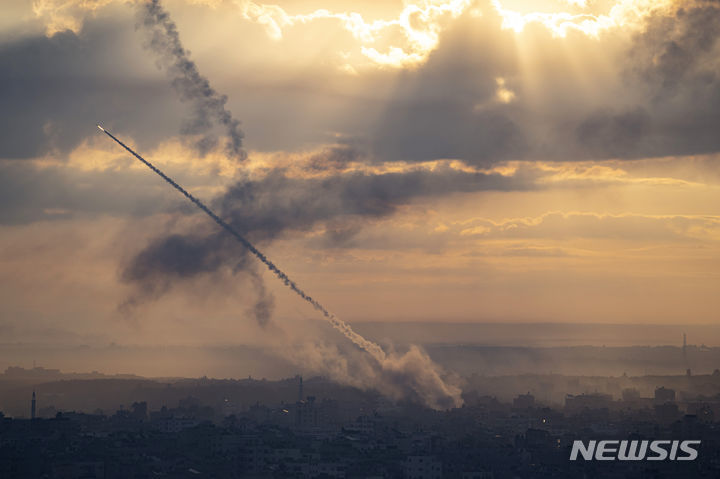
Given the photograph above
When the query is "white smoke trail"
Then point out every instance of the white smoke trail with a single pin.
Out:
(411, 374)
(372, 348)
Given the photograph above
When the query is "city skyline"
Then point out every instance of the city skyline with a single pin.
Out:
(419, 239)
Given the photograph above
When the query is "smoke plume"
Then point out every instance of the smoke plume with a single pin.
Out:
(411, 375)
(265, 302)
(177, 257)
(209, 105)
(411, 372)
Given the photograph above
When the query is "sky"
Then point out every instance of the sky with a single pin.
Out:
(448, 161)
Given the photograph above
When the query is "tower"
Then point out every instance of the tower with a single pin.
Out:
(300, 390)
(32, 406)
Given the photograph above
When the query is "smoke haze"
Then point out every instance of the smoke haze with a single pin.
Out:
(527, 166)
(412, 374)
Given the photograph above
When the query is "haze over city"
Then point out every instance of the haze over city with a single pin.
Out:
(435, 163)
(419, 239)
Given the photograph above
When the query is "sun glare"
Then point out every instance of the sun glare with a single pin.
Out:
(583, 18)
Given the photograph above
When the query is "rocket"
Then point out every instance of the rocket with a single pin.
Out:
(373, 349)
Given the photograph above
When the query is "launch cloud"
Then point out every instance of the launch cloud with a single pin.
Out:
(658, 450)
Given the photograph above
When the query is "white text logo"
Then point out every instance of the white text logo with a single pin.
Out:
(612, 450)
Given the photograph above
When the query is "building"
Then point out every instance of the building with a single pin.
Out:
(664, 395)
(524, 401)
(176, 424)
(582, 402)
(422, 467)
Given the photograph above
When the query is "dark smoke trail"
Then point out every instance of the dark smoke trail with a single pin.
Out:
(263, 307)
(164, 40)
(372, 348)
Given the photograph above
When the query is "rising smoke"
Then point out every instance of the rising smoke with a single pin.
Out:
(208, 108)
(264, 304)
(208, 105)
(177, 257)
(411, 374)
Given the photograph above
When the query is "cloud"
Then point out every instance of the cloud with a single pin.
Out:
(97, 179)
(403, 41)
(632, 93)
(673, 69)
(625, 227)
(399, 42)
(333, 195)
(593, 19)
(53, 91)
(62, 15)
(614, 135)
(31, 193)
(266, 207)
(365, 179)
(275, 203)
(645, 88)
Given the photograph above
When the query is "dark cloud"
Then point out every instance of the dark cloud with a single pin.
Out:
(674, 50)
(183, 258)
(174, 258)
(53, 90)
(667, 101)
(265, 208)
(426, 131)
(614, 134)
(674, 72)
(446, 108)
